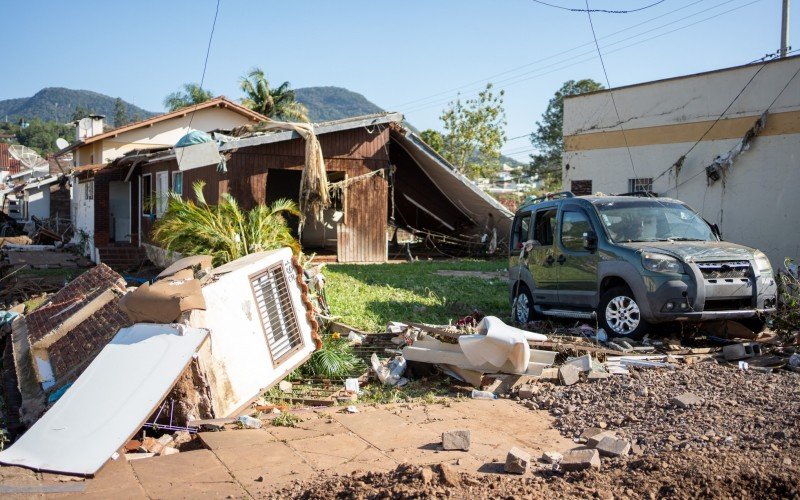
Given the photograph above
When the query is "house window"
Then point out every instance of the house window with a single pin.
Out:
(545, 226)
(161, 192)
(88, 191)
(640, 185)
(274, 304)
(177, 182)
(146, 193)
(581, 188)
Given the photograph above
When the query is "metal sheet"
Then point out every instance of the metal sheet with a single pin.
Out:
(109, 401)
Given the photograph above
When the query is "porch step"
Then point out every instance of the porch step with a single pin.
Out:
(122, 258)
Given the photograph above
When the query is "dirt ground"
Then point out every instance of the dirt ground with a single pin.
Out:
(742, 441)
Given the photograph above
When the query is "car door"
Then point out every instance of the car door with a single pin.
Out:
(542, 258)
(577, 266)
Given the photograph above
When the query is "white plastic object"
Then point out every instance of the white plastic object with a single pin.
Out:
(251, 422)
(351, 385)
(476, 394)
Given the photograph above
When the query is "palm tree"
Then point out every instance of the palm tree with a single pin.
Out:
(224, 231)
(278, 103)
(191, 94)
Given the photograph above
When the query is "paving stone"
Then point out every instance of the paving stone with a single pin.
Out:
(593, 441)
(517, 461)
(686, 400)
(456, 440)
(580, 459)
(568, 374)
(613, 447)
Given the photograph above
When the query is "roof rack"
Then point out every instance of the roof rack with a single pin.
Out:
(532, 200)
(639, 194)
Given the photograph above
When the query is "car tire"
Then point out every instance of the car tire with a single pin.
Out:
(619, 314)
(756, 324)
(522, 307)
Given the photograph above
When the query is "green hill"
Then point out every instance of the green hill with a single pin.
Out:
(58, 104)
(334, 103)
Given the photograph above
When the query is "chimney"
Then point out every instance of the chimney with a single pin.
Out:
(87, 127)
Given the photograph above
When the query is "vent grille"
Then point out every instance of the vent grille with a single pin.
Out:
(277, 315)
(725, 270)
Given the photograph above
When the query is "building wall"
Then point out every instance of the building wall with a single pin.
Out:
(756, 203)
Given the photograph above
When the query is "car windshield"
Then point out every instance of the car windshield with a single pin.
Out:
(652, 220)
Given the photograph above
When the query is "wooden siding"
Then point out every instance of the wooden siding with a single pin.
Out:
(361, 235)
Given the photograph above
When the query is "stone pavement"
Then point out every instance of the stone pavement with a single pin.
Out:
(251, 462)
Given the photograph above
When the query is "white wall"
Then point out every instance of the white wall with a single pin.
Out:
(756, 205)
(37, 202)
(82, 214)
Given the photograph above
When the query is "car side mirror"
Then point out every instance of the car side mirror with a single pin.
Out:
(590, 241)
(716, 231)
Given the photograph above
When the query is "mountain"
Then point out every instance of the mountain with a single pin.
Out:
(58, 104)
(334, 103)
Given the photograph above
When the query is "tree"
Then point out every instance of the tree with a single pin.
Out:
(278, 103)
(474, 133)
(120, 113)
(41, 135)
(548, 138)
(434, 139)
(191, 94)
(80, 112)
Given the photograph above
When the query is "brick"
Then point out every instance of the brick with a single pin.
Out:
(456, 440)
(575, 460)
(686, 400)
(517, 461)
(613, 447)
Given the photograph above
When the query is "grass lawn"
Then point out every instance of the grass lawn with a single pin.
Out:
(369, 296)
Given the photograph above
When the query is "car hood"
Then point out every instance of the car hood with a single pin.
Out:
(697, 251)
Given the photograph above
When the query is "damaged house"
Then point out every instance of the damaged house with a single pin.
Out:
(382, 175)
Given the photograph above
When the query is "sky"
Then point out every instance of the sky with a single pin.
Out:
(413, 56)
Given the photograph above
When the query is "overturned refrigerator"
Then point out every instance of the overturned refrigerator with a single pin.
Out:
(209, 340)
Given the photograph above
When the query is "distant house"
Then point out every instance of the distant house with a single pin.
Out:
(726, 142)
(94, 148)
(392, 179)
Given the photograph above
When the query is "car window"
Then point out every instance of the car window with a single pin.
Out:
(544, 227)
(521, 231)
(573, 226)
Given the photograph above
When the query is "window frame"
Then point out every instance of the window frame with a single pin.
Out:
(161, 199)
(292, 316)
(143, 197)
(174, 175)
(640, 182)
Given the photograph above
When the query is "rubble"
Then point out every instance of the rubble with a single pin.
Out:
(517, 461)
(612, 446)
(580, 459)
(568, 374)
(686, 400)
(552, 457)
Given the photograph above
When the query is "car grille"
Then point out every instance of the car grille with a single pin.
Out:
(728, 304)
(725, 270)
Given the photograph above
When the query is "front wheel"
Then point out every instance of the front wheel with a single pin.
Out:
(620, 315)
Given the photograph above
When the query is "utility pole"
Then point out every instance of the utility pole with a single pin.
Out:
(785, 28)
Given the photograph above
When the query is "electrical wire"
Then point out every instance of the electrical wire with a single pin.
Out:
(205, 63)
(505, 83)
(603, 11)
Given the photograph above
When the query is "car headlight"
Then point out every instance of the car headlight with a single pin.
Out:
(762, 262)
(660, 263)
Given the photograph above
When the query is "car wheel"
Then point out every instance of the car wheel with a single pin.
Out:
(619, 314)
(522, 307)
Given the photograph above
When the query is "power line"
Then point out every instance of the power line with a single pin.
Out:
(610, 89)
(603, 11)
(515, 79)
(452, 90)
(205, 63)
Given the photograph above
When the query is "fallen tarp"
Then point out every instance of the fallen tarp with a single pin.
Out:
(109, 402)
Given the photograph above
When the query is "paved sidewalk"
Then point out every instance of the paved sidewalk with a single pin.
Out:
(251, 462)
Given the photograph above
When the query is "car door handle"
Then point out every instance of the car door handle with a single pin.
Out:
(549, 260)
(561, 259)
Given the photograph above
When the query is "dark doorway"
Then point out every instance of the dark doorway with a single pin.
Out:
(284, 184)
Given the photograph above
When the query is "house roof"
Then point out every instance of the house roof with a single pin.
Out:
(217, 102)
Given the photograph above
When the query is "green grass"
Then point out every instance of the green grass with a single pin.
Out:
(369, 296)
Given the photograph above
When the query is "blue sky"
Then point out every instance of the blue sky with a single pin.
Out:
(412, 56)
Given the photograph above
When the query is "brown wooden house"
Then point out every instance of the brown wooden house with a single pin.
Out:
(411, 187)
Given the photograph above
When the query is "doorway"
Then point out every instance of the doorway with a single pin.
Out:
(119, 211)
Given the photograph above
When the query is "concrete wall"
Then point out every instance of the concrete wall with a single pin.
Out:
(756, 203)
(37, 202)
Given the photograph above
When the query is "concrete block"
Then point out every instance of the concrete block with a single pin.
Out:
(456, 440)
(552, 457)
(575, 460)
(597, 375)
(594, 440)
(528, 391)
(613, 447)
(517, 461)
(549, 374)
(686, 400)
(744, 350)
(568, 374)
(583, 363)
(589, 433)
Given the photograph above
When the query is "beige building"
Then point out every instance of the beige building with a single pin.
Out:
(726, 142)
(93, 145)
